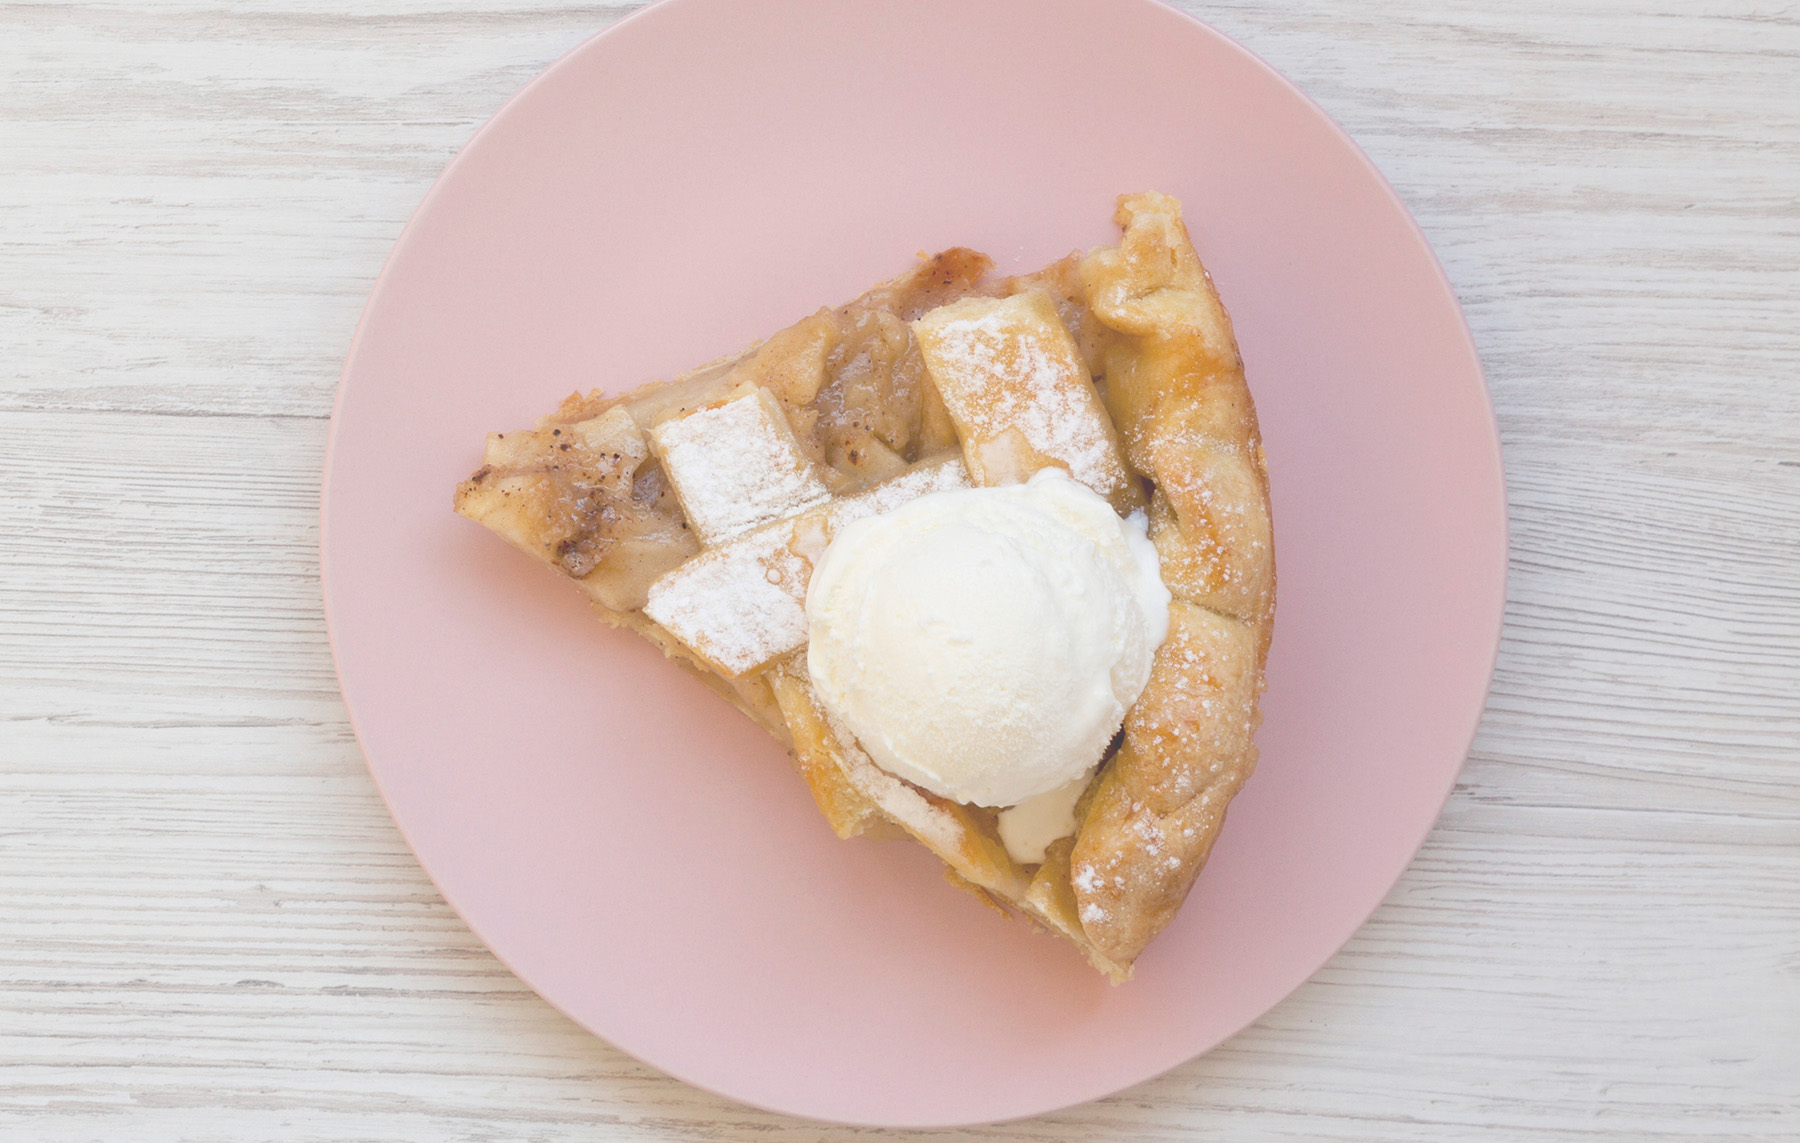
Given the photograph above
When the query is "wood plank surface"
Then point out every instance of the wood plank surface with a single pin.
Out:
(210, 930)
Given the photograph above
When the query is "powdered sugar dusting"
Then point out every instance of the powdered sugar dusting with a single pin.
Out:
(943, 475)
(732, 604)
(742, 603)
(736, 466)
(1010, 363)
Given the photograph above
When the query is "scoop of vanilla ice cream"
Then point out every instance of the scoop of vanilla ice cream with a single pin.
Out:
(985, 643)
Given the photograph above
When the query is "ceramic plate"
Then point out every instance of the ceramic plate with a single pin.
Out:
(707, 171)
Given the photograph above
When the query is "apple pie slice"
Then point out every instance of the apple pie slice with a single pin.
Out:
(991, 555)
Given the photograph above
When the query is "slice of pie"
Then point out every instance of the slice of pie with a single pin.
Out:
(891, 453)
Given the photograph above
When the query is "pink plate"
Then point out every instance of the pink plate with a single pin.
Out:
(708, 171)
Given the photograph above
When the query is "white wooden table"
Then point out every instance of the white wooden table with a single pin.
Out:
(209, 929)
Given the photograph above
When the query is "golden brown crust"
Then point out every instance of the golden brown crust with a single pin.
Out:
(1050, 900)
(1175, 387)
(816, 756)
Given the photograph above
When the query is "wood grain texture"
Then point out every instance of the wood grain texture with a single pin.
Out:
(210, 930)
